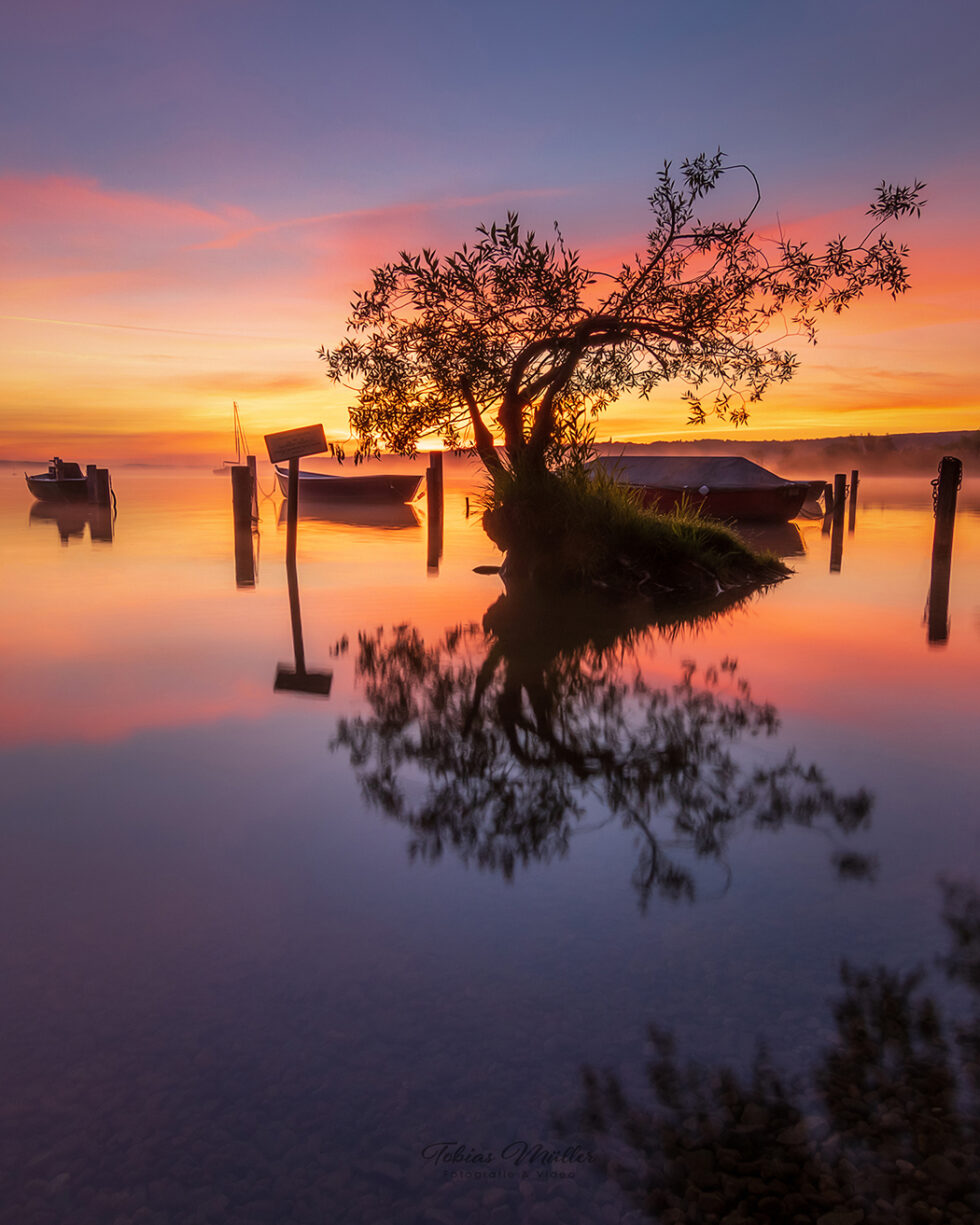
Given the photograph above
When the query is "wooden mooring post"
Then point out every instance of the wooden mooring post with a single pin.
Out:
(945, 488)
(828, 509)
(434, 511)
(837, 531)
(852, 501)
(241, 504)
(254, 478)
(241, 495)
(97, 485)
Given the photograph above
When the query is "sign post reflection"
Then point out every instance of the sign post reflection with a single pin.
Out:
(292, 445)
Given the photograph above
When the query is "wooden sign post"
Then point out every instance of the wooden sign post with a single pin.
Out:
(292, 445)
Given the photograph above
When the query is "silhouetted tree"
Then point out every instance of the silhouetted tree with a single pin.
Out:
(512, 338)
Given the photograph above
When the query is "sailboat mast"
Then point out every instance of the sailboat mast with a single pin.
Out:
(241, 442)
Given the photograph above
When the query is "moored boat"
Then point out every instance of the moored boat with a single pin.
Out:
(61, 483)
(725, 487)
(326, 487)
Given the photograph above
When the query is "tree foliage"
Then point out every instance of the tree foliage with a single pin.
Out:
(513, 339)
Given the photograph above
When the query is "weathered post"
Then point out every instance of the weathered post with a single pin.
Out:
(103, 486)
(944, 490)
(434, 511)
(241, 504)
(254, 479)
(828, 509)
(292, 445)
(852, 502)
(241, 496)
(97, 485)
(837, 533)
(292, 511)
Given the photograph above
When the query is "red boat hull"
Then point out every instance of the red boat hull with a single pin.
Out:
(726, 487)
(777, 505)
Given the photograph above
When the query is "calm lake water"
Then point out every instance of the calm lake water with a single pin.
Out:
(475, 936)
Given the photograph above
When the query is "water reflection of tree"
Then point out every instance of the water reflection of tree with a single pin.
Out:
(892, 1136)
(517, 731)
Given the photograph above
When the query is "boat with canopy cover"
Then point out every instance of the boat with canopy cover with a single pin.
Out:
(723, 486)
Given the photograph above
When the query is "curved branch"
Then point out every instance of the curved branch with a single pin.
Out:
(481, 435)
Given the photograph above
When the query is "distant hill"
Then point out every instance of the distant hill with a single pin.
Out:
(800, 457)
(818, 457)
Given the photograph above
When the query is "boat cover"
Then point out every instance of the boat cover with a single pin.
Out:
(691, 471)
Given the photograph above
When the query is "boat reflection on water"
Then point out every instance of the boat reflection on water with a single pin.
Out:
(70, 518)
(534, 726)
(886, 1129)
(390, 515)
(782, 539)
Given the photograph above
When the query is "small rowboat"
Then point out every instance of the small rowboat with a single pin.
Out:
(725, 487)
(325, 487)
(61, 483)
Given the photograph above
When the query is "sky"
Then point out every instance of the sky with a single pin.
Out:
(191, 193)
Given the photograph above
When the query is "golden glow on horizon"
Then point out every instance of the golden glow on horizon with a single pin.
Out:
(132, 322)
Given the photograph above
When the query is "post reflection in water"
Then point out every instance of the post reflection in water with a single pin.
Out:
(536, 724)
(886, 1129)
(298, 679)
(246, 554)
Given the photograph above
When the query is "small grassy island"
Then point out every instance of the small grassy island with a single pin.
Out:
(582, 530)
(513, 342)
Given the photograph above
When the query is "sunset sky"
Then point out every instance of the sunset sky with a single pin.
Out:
(191, 192)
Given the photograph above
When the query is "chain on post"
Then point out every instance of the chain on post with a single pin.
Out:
(935, 480)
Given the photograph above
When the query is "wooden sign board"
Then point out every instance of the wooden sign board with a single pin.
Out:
(298, 680)
(294, 444)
